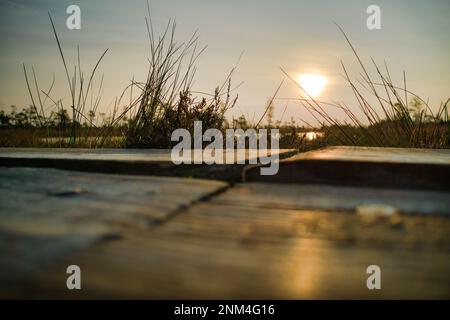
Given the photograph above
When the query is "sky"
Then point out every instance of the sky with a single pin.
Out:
(298, 35)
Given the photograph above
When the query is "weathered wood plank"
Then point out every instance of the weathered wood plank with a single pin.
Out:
(363, 166)
(105, 154)
(304, 196)
(238, 246)
(45, 213)
(253, 240)
(156, 162)
(379, 155)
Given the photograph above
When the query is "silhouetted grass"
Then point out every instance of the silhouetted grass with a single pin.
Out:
(392, 120)
(392, 116)
(158, 106)
(166, 101)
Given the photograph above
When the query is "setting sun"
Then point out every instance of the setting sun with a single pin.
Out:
(312, 83)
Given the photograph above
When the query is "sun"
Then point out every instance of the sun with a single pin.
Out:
(312, 83)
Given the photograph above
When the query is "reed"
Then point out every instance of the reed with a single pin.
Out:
(392, 116)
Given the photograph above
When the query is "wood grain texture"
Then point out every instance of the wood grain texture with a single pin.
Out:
(46, 214)
(156, 162)
(378, 155)
(155, 237)
(243, 244)
(363, 166)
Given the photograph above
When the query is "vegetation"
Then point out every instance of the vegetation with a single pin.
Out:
(391, 116)
(166, 100)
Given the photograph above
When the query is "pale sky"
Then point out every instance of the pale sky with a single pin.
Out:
(298, 35)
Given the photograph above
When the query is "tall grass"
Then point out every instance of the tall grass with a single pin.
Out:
(166, 100)
(159, 105)
(387, 116)
(392, 116)
(83, 101)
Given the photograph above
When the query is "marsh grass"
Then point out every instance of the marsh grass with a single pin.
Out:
(166, 100)
(393, 116)
(159, 105)
(83, 103)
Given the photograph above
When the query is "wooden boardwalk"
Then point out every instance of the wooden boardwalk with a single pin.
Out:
(127, 161)
(364, 166)
(160, 237)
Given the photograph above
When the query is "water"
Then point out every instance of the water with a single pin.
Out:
(311, 135)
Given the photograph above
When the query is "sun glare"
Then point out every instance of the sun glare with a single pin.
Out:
(312, 83)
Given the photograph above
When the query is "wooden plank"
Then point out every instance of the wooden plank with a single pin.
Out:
(236, 245)
(323, 197)
(125, 161)
(378, 155)
(105, 154)
(46, 214)
(364, 166)
(80, 196)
